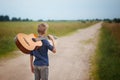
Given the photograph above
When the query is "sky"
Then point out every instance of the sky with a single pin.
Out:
(61, 9)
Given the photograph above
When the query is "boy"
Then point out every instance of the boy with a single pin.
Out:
(41, 62)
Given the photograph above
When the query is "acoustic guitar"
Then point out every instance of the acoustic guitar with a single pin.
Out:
(25, 42)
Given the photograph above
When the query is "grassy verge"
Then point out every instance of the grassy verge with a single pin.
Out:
(64, 28)
(10, 29)
(106, 61)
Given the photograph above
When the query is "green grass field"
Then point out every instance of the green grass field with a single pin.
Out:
(10, 29)
(106, 61)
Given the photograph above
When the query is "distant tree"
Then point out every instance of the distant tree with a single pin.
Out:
(98, 19)
(40, 20)
(19, 19)
(116, 20)
(83, 21)
(14, 19)
(108, 20)
(25, 19)
(1, 18)
(4, 18)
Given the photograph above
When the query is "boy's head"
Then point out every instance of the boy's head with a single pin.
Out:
(42, 28)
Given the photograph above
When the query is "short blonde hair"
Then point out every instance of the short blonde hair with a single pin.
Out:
(42, 28)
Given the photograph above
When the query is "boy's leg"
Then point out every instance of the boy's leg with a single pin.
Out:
(37, 73)
(44, 72)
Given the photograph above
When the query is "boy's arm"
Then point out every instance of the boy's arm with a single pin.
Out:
(54, 48)
(31, 64)
(53, 42)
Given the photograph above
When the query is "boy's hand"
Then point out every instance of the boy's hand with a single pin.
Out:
(53, 43)
(32, 68)
(31, 64)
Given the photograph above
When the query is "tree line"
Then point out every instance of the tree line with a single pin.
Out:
(115, 20)
(6, 18)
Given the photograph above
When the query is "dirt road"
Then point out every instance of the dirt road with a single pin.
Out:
(71, 62)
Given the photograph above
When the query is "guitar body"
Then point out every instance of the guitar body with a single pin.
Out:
(26, 44)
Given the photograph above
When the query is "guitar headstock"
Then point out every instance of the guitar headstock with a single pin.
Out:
(36, 35)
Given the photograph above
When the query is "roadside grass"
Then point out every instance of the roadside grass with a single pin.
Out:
(10, 29)
(114, 28)
(64, 28)
(106, 61)
(8, 33)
